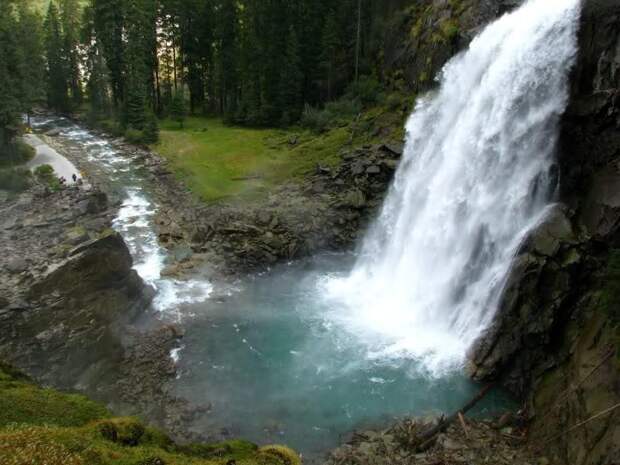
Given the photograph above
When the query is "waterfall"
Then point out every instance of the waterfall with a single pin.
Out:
(477, 174)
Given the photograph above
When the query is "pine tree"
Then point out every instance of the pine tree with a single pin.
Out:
(31, 58)
(97, 72)
(178, 111)
(70, 23)
(228, 54)
(109, 23)
(9, 80)
(331, 47)
(57, 92)
(291, 81)
(138, 54)
(151, 128)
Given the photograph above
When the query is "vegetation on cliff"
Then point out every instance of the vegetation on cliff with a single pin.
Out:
(45, 426)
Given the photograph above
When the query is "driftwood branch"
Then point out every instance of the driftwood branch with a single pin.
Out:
(425, 440)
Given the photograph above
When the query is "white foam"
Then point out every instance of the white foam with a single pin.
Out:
(474, 179)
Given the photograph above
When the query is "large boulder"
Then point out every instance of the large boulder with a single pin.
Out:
(69, 327)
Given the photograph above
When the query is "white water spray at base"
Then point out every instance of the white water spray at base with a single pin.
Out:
(478, 173)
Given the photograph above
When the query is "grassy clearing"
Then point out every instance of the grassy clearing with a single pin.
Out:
(217, 161)
(42, 426)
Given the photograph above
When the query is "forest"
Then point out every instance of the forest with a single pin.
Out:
(252, 62)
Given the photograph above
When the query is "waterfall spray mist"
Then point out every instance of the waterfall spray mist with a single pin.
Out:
(477, 174)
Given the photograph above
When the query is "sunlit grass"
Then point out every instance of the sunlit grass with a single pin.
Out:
(218, 161)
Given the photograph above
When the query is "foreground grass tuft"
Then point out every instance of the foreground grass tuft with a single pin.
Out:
(43, 426)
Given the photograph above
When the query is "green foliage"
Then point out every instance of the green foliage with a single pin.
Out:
(134, 136)
(43, 426)
(394, 101)
(112, 127)
(15, 179)
(449, 29)
(151, 129)
(178, 111)
(22, 402)
(367, 89)
(45, 174)
(315, 119)
(57, 82)
(17, 154)
(44, 171)
(337, 113)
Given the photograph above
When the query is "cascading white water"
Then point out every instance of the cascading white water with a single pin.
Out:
(477, 175)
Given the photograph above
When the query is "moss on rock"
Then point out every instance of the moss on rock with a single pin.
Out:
(43, 426)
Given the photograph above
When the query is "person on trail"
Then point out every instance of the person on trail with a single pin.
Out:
(74, 178)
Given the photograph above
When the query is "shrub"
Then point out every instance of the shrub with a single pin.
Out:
(46, 175)
(367, 89)
(133, 136)
(44, 171)
(15, 179)
(393, 101)
(24, 152)
(315, 119)
(343, 108)
(112, 127)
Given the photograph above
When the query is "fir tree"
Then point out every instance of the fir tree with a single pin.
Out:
(31, 58)
(178, 111)
(228, 54)
(291, 80)
(70, 22)
(109, 24)
(331, 47)
(57, 92)
(9, 80)
(151, 128)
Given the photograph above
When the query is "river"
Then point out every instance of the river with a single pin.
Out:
(266, 355)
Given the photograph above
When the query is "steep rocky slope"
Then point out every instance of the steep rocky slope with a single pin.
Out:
(67, 285)
(556, 341)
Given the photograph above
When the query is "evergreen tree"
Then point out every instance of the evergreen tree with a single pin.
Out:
(96, 70)
(329, 59)
(70, 23)
(151, 128)
(228, 54)
(57, 92)
(138, 70)
(31, 58)
(109, 23)
(291, 80)
(9, 80)
(178, 111)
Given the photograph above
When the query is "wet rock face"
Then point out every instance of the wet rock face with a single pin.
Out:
(557, 323)
(67, 286)
(589, 154)
(427, 34)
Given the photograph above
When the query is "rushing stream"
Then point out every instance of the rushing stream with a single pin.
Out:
(311, 350)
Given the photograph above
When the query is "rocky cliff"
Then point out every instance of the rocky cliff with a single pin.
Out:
(556, 341)
(67, 286)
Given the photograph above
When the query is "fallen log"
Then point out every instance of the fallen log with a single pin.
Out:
(426, 438)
